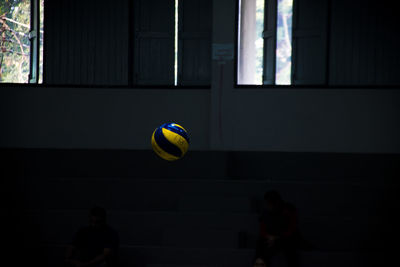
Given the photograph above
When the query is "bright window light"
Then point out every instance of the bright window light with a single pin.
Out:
(251, 43)
(284, 42)
(176, 44)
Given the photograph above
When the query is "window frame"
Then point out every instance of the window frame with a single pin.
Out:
(34, 39)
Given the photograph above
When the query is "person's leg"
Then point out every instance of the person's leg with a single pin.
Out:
(264, 251)
(288, 246)
(259, 247)
(292, 258)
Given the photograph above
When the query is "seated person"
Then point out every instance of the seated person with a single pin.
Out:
(94, 245)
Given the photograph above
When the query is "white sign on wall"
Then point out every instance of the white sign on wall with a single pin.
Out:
(222, 52)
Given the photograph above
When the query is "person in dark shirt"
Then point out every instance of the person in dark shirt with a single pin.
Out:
(278, 229)
(94, 245)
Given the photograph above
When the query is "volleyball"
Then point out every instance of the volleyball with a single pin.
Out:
(170, 141)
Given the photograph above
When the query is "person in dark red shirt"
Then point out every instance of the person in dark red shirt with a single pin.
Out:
(278, 229)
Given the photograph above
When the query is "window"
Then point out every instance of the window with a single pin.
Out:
(130, 43)
(172, 42)
(251, 43)
(284, 42)
(265, 42)
(21, 41)
(281, 42)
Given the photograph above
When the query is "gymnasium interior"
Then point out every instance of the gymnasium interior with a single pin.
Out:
(76, 133)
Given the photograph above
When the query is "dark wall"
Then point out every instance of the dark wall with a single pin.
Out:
(111, 118)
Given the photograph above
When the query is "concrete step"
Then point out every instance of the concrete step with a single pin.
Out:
(175, 265)
(151, 256)
(204, 229)
(311, 199)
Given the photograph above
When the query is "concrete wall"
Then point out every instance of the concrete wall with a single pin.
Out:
(99, 118)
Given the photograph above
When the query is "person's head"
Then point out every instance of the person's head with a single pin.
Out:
(273, 200)
(259, 262)
(98, 217)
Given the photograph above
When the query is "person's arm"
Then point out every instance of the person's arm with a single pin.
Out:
(98, 259)
(269, 239)
(69, 251)
(68, 256)
(72, 248)
(263, 231)
(292, 217)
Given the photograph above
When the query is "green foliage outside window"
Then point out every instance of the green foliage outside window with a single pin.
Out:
(14, 40)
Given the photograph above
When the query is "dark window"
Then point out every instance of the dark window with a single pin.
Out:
(128, 43)
(172, 42)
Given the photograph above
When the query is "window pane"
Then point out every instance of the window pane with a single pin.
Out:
(14, 41)
(41, 41)
(176, 44)
(284, 42)
(251, 25)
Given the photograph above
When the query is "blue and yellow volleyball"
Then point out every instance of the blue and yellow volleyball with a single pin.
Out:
(170, 141)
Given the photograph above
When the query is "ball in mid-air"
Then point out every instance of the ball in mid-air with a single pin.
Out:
(170, 141)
